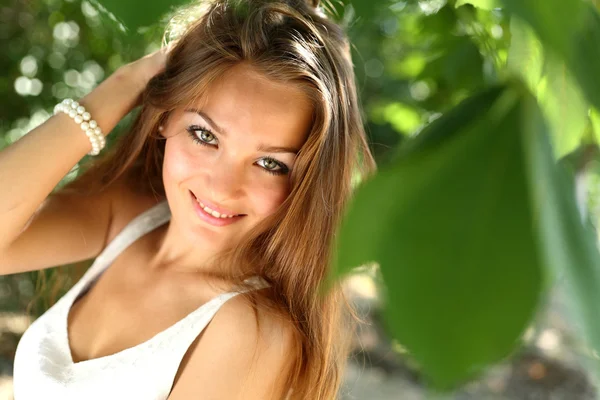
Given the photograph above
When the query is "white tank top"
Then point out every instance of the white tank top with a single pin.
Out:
(44, 368)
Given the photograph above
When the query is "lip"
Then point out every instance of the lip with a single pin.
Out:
(209, 218)
(214, 207)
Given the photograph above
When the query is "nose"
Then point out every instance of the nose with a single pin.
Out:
(225, 180)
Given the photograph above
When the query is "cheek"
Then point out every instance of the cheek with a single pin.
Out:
(268, 198)
(178, 164)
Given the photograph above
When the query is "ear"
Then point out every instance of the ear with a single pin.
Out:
(163, 125)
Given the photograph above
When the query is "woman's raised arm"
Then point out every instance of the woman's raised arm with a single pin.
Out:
(38, 230)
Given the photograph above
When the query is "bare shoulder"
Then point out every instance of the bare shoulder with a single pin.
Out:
(243, 353)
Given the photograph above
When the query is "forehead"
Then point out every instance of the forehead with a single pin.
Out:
(244, 101)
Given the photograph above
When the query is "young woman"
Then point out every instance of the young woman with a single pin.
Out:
(210, 221)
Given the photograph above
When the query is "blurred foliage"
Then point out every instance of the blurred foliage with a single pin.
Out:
(415, 60)
(437, 216)
(53, 49)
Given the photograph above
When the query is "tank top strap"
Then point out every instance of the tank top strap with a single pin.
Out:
(175, 342)
(136, 228)
(189, 328)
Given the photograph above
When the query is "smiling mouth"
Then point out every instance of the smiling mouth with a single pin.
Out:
(214, 213)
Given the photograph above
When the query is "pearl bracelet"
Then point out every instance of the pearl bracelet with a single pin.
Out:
(83, 118)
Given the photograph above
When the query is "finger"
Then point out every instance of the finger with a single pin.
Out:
(171, 45)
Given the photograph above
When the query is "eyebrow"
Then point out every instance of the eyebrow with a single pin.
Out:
(261, 147)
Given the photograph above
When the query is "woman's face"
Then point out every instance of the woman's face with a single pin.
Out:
(232, 154)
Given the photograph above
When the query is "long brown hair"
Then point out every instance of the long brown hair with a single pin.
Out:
(289, 41)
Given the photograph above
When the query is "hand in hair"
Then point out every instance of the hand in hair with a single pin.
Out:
(144, 69)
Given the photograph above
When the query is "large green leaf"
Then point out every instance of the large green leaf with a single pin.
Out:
(595, 120)
(451, 225)
(570, 29)
(564, 107)
(585, 60)
(555, 21)
(558, 93)
(525, 55)
(569, 248)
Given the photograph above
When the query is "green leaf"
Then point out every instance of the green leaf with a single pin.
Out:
(585, 61)
(595, 120)
(483, 4)
(451, 225)
(564, 107)
(570, 29)
(569, 248)
(525, 54)
(559, 95)
(128, 12)
(556, 22)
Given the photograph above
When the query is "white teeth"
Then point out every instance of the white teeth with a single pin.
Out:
(214, 213)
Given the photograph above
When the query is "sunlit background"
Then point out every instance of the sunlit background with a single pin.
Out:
(415, 61)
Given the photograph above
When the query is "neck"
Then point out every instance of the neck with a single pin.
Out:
(174, 251)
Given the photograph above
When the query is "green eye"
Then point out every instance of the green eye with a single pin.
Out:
(207, 136)
(201, 135)
(273, 166)
(270, 164)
